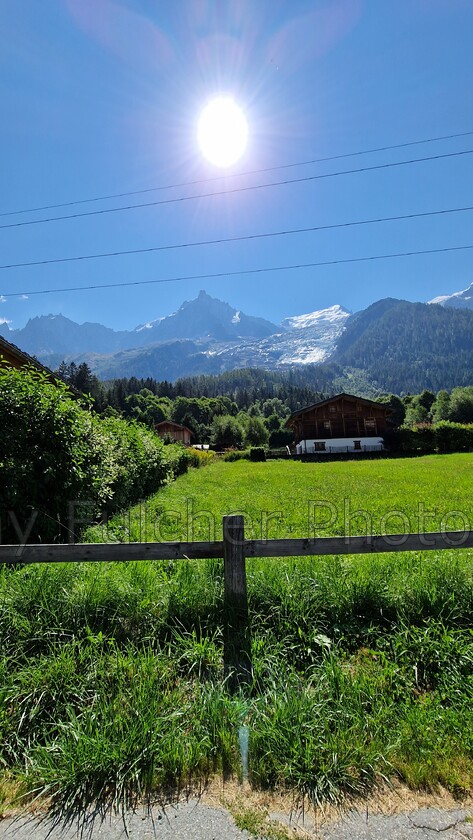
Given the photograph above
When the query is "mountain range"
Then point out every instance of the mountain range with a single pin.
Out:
(205, 334)
(393, 345)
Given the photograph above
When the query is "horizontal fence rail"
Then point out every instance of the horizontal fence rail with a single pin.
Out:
(132, 552)
(234, 549)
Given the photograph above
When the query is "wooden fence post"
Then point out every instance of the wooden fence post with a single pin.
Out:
(237, 639)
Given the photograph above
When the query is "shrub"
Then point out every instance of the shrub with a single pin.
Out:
(199, 457)
(257, 453)
(453, 437)
(59, 459)
(443, 436)
(236, 455)
(419, 439)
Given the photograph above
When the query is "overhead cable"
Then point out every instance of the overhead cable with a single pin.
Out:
(237, 174)
(234, 190)
(240, 273)
(243, 238)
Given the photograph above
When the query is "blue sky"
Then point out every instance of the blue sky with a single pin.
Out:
(103, 96)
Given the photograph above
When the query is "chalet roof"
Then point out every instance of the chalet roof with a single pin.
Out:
(174, 425)
(11, 352)
(335, 398)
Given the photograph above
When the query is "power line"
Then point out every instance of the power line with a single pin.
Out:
(241, 273)
(234, 190)
(238, 174)
(243, 238)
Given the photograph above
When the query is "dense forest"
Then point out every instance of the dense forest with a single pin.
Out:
(405, 347)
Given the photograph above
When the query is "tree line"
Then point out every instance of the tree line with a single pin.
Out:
(248, 407)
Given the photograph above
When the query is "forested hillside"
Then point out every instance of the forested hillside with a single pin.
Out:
(405, 347)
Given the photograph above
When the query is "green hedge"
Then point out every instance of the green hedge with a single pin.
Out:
(444, 436)
(59, 459)
(453, 437)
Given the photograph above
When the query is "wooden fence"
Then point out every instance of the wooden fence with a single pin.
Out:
(233, 549)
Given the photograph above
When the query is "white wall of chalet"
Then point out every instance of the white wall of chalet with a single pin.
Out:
(333, 445)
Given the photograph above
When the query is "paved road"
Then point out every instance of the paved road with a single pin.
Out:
(195, 821)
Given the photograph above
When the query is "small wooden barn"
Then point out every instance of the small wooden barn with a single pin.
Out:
(180, 434)
(340, 424)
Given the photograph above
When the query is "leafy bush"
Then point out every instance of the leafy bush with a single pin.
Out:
(443, 436)
(236, 455)
(453, 437)
(199, 457)
(59, 459)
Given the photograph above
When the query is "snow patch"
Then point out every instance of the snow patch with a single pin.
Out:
(149, 325)
(304, 356)
(307, 340)
(236, 318)
(332, 314)
(462, 295)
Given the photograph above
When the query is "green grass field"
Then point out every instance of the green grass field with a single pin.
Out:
(284, 499)
(112, 679)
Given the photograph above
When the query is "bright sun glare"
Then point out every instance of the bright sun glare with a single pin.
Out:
(223, 131)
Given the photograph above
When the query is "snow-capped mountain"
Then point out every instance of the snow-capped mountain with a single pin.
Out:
(204, 335)
(318, 319)
(313, 336)
(458, 300)
(307, 339)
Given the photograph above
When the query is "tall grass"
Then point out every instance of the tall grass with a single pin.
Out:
(112, 682)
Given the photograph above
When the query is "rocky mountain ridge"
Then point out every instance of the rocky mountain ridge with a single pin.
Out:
(392, 345)
(220, 336)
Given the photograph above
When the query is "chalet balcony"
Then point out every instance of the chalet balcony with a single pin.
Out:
(351, 428)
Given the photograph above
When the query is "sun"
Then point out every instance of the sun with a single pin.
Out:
(222, 131)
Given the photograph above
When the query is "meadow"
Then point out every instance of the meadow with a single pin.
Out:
(112, 683)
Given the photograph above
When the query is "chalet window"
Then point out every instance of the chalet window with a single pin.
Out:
(370, 426)
(327, 425)
(319, 446)
(332, 408)
(357, 444)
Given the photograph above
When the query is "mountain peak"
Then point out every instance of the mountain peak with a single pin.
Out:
(208, 318)
(458, 300)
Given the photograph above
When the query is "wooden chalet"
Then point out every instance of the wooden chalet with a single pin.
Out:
(12, 356)
(340, 424)
(180, 434)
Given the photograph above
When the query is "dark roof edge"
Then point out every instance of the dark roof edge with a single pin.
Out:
(26, 358)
